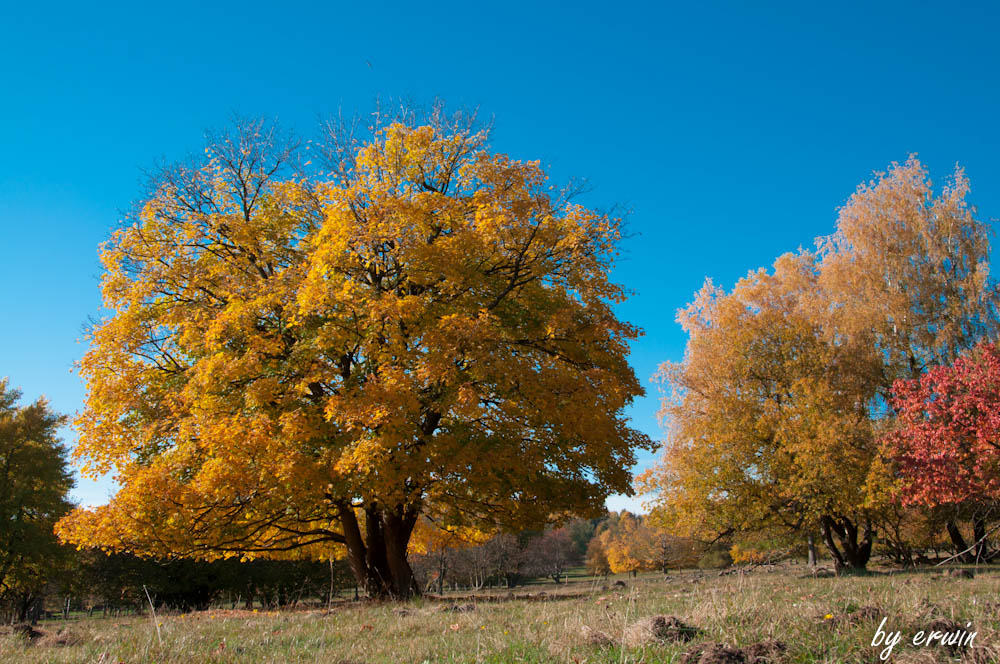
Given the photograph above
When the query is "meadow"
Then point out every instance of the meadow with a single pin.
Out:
(768, 615)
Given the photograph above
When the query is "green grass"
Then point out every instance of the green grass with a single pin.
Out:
(737, 610)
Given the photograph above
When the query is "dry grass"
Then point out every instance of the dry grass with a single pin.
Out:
(761, 618)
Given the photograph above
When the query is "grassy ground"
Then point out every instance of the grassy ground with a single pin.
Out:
(817, 620)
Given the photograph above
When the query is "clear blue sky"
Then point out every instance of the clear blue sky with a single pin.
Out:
(733, 133)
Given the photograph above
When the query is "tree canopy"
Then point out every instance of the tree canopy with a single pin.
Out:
(768, 427)
(305, 364)
(947, 440)
(34, 483)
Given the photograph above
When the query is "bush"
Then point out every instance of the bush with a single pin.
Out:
(715, 558)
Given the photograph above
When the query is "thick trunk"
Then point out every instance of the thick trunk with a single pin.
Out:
(961, 547)
(398, 526)
(378, 557)
(977, 551)
(841, 536)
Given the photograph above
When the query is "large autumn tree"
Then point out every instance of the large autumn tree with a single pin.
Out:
(296, 365)
(775, 412)
(768, 429)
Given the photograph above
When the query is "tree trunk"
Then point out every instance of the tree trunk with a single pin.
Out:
(851, 555)
(812, 550)
(979, 533)
(974, 553)
(378, 557)
(960, 544)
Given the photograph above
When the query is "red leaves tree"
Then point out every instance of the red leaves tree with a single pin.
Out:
(947, 442)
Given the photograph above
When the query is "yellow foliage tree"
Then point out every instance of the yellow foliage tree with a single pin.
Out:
(768, 428)
(294, 364)
(623, 546)
(630, 544)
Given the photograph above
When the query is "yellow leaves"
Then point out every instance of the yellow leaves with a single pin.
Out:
(742, 554)
(430, 537)
(909, 267)
(432, 329)
(763, 408)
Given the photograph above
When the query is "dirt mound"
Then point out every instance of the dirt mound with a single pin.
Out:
(657, 629)
(821, 573)
(61, 638)
(713, 653)
(460, 608)
(21, 629)
(764, 652)
(595, 637)
(946, 625)
(42, 637)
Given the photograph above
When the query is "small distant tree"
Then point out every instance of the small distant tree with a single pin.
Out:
(550, 554)
(626, 544)
(667, 551)
(582, 531)
(34, 482)
(437, 551)
(597, 557)
(505, 558)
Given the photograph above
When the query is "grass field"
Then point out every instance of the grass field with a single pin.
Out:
(593, 621)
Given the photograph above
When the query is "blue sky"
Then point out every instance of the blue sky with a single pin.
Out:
(732, 132)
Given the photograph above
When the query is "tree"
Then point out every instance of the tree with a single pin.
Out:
(625, 544)
(597, 557)
(306, 363)
(437, 547)
(768, 423)
(506, 558)
(947, 441)
(581, 531)
(775, 411)
(908, 272)
(34, 483)
(666, 550)
(550, 554)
